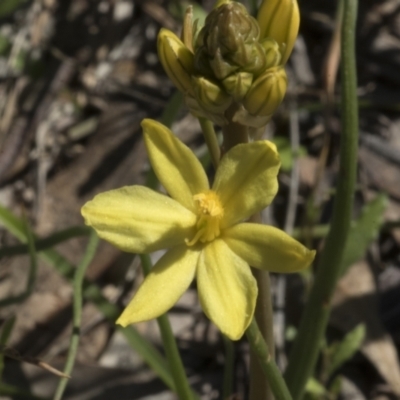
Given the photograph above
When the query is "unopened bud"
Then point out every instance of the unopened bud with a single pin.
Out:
(187, 28)
(220, 67)
(238, 84)
(272, 52)
(210, 96)
(228, 42)
(219, 3)
(266, 93)
(279, 20)
(176, 59)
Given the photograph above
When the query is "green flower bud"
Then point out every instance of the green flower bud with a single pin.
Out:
(238, 84)
(266, 93)
(219, 3)
(228, 42)
(177, 60)
(279, 20)
(272, 53)
(210, 96)
(219, 66)
(187, 28)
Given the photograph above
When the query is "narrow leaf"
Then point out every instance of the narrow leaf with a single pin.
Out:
(363, 231)
(345, 350)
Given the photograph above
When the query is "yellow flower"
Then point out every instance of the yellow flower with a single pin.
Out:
(202, 229)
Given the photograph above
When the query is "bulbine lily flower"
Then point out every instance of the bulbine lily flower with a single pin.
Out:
(201, 227)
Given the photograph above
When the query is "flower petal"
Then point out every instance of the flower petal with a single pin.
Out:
(246, 180)
(163, 287)
(227, 289)
(139, 220)
(175, 165)
(268, 248)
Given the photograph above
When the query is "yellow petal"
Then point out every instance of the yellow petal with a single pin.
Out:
(268, 248)
(227, 289)
(246, 180)
(139, 220)
(175, 165)
(163, 287)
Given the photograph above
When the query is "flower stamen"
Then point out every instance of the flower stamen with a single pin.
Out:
(209, 215)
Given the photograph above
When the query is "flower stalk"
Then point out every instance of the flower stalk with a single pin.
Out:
(177, 369)
(211, 140)
(315, 318)
(234, 134)
(267, 363)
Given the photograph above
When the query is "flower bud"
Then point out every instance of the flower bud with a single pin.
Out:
(279, 20)
(219, 3)
(272, 52)
(187, 28)
(177, 60)
(266, 93)
(238, 84)
(210, 96)
(228, 42)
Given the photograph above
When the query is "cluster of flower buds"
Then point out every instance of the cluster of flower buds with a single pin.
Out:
(234, 61)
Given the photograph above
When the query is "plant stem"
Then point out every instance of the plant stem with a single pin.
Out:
(178, 373)
(227, 385)
(211, 140)
(267, 363)
(234, 134)
(312, 328)
(259, 387)
(77, 311)
(45, 243)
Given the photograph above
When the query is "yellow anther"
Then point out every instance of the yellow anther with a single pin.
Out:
(209, 214)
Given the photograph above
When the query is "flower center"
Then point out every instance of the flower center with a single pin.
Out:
(209, 215)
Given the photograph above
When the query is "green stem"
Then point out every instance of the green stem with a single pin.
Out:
(312, 328)
(77, 312)
(227, 385)
(45, 243)
(211, 140)
(260, 388)
(267, 363)
(234, 134)
(178, 373)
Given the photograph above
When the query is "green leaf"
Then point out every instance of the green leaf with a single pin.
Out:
(363, 231)
(345, 350)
